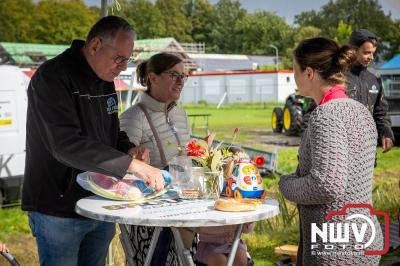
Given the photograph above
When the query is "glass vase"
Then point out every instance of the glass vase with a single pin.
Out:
(212, 185)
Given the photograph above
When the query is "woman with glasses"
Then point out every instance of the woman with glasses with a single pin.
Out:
(157, 123)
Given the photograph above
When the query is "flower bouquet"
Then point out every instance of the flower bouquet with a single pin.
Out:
(217, 163)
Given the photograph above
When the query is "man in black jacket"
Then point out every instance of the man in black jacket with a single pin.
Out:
(73, 126)
(365, 87)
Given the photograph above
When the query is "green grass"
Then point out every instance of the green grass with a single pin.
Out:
(388, 164)
(287, 159)
(223, 121)
(14, 222)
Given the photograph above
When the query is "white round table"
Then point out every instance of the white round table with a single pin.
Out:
(173, 213)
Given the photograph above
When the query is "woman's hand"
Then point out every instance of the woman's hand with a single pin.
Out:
(140, 153)
(151, 175)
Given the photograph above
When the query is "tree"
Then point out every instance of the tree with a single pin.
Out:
(261, 29)
(176, 23)
(225, 35)
(359, 14)
(203, 17)
(308, 18)
(299, 35)
(393, 40)
(16, 20)
(343, 33)
(145, 18)
(367, 14)
(306, 33)
(61, 21)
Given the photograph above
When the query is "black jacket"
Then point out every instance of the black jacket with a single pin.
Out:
(72, 126)
(365, 87)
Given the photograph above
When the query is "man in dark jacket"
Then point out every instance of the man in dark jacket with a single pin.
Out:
(365, 87)
(73, 126)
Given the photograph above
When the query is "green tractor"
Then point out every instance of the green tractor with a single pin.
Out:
(293, 119)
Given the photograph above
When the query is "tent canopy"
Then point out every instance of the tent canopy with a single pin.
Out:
(393, 63)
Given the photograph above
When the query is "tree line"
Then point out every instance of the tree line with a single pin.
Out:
(225, 27)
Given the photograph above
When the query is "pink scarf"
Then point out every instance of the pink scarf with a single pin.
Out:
(336, 92)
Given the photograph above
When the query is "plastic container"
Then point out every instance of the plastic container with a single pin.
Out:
(110, 187)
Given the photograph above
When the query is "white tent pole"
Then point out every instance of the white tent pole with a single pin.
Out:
(104, 9)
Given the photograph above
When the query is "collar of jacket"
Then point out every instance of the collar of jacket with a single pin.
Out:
(155, 105)
(356, 68)
(82, 64)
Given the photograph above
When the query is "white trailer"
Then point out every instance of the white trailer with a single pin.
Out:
(13, 104)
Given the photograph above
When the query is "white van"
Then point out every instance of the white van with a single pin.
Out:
(13, 104)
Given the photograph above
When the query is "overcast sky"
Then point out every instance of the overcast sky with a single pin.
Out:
(290, 8)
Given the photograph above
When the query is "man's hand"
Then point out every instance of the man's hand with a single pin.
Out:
(387, 144)
(140, 153)
(151, 175)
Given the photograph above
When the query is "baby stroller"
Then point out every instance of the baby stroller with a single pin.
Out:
(9, 258)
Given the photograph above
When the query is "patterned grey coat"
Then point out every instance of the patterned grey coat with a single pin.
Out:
(336, 162)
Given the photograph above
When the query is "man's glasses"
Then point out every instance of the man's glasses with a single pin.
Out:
(118, 59)
(175, 76)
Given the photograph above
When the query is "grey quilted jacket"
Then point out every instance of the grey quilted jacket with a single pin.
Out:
(135, 124)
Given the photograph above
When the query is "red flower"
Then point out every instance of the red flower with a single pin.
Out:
(194, 149)
(259, 161)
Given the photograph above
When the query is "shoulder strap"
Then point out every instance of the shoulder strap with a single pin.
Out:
(155, 134)
(175, 132)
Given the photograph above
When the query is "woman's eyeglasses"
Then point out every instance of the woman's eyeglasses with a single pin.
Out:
(176, 76)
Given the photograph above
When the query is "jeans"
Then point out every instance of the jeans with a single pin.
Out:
(70, 241)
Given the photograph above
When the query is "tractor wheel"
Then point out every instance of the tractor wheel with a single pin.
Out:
(228, 191)
(238, 195)
(292, 119)
(277, 120)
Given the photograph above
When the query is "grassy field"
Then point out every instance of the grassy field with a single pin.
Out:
(223, 121)
(254, 123)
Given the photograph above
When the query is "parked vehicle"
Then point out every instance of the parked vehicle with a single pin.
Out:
(13, 104)
(391, 85)
(293, 118)
(245, 182)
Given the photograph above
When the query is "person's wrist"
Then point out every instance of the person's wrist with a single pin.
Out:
(132, 168)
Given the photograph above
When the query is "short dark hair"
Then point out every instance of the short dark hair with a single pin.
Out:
(107, 27)
(360, 36)
(157, 64)
(326, 57)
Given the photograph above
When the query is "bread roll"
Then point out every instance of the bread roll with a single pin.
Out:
(233, 205)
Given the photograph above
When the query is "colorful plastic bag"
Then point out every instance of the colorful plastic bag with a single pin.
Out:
(134, 189)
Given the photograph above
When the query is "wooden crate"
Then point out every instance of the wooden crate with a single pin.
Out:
(289, 250)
